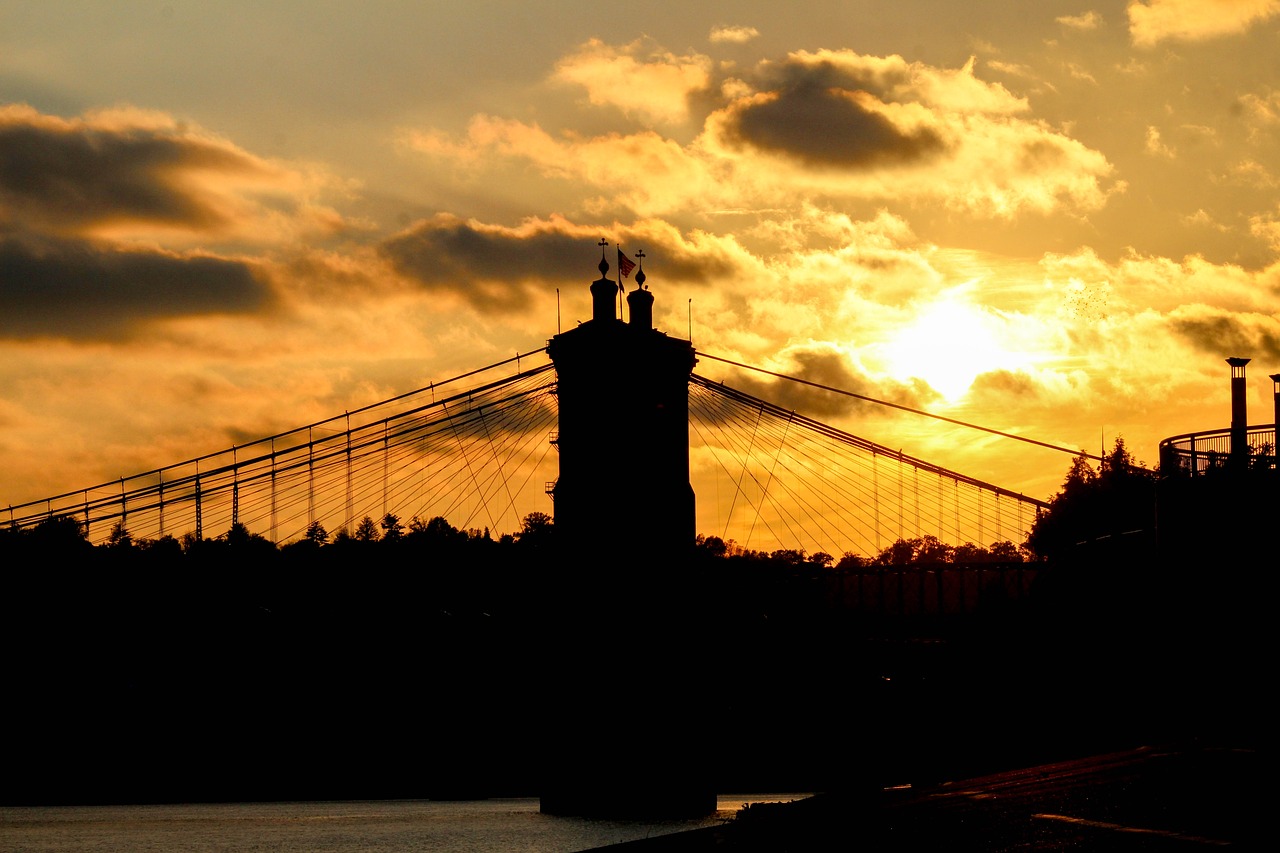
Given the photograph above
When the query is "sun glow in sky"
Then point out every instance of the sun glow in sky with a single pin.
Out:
(948, 344)
(222, 220)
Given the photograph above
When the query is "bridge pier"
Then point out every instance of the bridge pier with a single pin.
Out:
(628, 727)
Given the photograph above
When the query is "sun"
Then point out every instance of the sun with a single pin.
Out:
(949, 345)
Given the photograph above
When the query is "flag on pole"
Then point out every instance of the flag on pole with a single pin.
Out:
(625, 264)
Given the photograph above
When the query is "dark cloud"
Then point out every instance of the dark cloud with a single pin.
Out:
(64, 177)
(881, 81)
(1229, 336)
(813, 117)
(491, 269)
(1005, 382)
(831, 370)
(75, 289)
(702, 266)
(497, 270)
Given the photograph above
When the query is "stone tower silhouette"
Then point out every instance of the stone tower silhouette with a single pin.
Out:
(626, 723)
(623, 392)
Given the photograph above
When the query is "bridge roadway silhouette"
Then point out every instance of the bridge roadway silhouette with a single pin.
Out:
(479, 449)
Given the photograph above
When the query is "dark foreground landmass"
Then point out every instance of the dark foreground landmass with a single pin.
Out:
(1188, 797)
(234, 684)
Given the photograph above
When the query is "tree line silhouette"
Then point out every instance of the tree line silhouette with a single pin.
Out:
(412, 658)
(1100, 528)
(1117, 499)
(65, 537)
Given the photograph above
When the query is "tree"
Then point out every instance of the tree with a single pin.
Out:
(119, 538)
(366, 530)
(436, 537)
(712, 546)
(970, 553)
(1119, 462)
(933, 550)
(392, 529)
(238, 534)
(55, 538)
(535, 522)
(1079, 476)
(850, 560)
(166, 549)
(316, 534)
(1005, 552)
(536, 530)
(440, 528)
(247, 545)
(1117, 501)
(900, 553)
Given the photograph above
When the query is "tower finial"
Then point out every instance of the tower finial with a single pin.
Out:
(604, 264)
(640, 276)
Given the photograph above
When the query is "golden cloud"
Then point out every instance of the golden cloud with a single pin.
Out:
(614, 75)
(642, 171)
(1154, 21)
(832, 125)
(733, 35)
(1090, 20)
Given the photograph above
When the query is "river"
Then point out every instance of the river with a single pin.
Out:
(356, 826)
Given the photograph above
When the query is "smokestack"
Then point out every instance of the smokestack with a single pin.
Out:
(1239, 419)
(1275, 392)
(1275, 423)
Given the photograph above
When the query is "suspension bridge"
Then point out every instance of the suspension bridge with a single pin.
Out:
(644, 693)
(480, 450)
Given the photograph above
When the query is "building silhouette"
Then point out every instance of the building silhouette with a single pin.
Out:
(628, 719)
(624, 433)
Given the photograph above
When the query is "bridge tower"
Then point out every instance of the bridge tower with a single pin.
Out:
(626, 722)
(624, 433)
(623, 392)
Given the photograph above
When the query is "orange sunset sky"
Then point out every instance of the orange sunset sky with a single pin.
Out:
(219, 221)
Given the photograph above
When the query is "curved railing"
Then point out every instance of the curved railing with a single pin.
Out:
(1197, 453)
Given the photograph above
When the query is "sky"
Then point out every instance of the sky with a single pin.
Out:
(220, 221)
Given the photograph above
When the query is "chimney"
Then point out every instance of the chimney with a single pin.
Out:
(1239, 420)
(1275, 423)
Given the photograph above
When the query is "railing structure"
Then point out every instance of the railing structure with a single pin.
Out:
(1196, 454)
(936, 591)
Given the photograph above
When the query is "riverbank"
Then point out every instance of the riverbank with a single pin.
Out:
(1193, 794)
